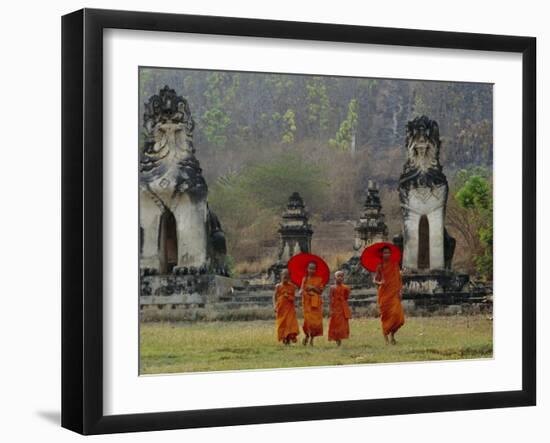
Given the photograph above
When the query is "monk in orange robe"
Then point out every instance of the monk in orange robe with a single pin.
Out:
(388, 279)
(340, 313)
(285, 312)
(312, 304)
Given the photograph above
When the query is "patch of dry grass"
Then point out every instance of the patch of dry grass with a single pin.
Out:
(215, 346)
(250, 267)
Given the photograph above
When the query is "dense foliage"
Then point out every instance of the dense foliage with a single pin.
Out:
(242, 110)
(476, 196)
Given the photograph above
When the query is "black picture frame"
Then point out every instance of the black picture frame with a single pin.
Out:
(82, 218)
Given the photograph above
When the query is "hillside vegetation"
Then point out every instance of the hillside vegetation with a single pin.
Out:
(259, 137)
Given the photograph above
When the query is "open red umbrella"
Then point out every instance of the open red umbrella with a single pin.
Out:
(297, 267)
(372, 256)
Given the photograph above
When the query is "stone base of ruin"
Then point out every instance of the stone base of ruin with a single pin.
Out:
(213, 297)
(356, 274)
(435, 282)
(274, 272)
(197, 290)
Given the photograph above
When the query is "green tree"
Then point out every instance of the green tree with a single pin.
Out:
(463, 175)
(345, 137)
(220, 96)
(289, 127)
(476, 195)
(318, 106)
(216, 123)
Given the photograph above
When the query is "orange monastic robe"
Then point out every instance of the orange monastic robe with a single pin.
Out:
(389, 300)
(340, 313)
(286, 321)
(312, 304)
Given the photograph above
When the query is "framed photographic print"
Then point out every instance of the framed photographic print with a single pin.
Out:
(270, 221)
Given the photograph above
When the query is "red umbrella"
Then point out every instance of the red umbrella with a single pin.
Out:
(372, 256)
(297, 267)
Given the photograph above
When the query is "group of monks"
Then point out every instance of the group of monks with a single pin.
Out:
(387, 278)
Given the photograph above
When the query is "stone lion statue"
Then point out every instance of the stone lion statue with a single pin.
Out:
(179, 232)
(423, 192)
(423, 144)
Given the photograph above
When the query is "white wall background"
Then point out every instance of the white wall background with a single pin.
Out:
(30, 218)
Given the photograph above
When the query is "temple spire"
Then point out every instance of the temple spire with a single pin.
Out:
(295, 230)
(295, 234)
(371, 227)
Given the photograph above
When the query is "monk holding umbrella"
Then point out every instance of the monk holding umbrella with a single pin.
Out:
(311, 273)
(383, 259)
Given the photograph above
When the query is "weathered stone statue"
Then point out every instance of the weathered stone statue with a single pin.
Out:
(371, 227)
(423, 192)
(179, 233)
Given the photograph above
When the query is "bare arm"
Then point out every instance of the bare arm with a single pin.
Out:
(378, 280)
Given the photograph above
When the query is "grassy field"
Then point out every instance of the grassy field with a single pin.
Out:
(216, 346)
